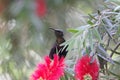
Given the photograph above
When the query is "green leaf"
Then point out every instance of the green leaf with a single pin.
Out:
(73, 30)
(71, 44)
(103, 54)
(90, 22)
(82, 28)
(92, 17)
(117, 8)
(96, 34)
(91, 39)
(108, 22)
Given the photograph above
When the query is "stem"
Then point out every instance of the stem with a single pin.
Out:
(116, 47)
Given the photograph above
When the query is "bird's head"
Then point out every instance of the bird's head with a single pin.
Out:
(58, 32)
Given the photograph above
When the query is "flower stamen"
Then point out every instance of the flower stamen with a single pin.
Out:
(40, 78)
(87, 77)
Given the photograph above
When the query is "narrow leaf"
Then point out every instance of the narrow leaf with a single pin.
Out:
(103, 54)
(73, 30)
(96, 34)
(92, 17)
(91, 39)
(90, 22)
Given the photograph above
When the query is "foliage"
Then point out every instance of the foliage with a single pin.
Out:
(27, 38)
(100, 37)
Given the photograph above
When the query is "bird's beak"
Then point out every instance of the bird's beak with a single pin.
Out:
(52, 29)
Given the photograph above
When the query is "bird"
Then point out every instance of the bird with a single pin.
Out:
(57, 48)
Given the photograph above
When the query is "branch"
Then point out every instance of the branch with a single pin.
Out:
(115, 49)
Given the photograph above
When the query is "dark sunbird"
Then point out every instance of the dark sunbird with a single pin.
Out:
(62, 52)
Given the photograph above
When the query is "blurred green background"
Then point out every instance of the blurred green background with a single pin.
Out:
(25, 36)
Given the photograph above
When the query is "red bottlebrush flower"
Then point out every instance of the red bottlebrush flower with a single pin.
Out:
(84, 70)
(50, 70)
(40, 7)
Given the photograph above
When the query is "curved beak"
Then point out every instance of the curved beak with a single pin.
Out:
(52, 29)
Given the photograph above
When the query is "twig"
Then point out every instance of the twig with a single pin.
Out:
(115, 49)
